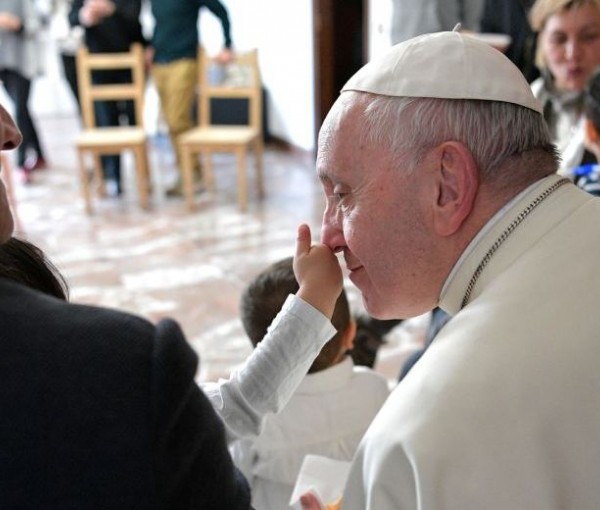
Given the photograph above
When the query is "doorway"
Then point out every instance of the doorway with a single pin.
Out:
(340, 35)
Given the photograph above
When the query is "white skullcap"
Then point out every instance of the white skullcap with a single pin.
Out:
(447, 65)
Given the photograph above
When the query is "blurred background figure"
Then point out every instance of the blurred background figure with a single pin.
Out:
(110, 26)
(568, 52)
(19, 64)
(411, 18)
(175, 47)
(68, 40)
(587, 176)
(510, 17)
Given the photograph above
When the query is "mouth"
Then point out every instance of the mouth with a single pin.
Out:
(575, 72)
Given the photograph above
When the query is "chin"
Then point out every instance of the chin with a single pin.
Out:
(386, 309)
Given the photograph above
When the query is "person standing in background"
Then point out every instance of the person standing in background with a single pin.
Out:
(510, 17)
(410, 18)
(175, 46)
(68, 40)
(110, 26)
(18, 66)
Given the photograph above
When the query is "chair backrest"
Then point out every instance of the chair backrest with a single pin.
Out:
(89, 92)
(239, 79)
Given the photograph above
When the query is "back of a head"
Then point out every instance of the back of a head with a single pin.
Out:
(451, 86)
(25, 263)
(264, 297)
(592, 100)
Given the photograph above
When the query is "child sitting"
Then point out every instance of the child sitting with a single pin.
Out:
(329, 412)
(588, 176)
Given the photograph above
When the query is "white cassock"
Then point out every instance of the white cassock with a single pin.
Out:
(503, 410)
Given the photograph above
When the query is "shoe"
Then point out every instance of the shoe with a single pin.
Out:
(35, 163)
(113, 188)
(176, 190)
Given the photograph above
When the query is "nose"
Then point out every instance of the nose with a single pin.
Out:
(572, 49)
(332, 233)
(10, 136)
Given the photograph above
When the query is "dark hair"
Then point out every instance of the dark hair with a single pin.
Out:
(592, 99)
(25, 263)
(264, 297)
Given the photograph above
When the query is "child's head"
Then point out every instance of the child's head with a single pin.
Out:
(264, 297)
(25, 263)
(592, 113)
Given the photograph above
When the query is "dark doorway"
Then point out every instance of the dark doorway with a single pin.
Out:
(340, 48)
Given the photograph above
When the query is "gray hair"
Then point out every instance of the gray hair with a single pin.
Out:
(493, 131)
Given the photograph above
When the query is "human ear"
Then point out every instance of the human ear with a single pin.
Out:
(349, 336)
(456, 180)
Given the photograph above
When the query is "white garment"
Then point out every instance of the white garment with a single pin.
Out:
(503, 410)
(267, 380)
(328, 415)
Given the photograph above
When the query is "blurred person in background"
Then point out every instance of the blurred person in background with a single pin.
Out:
(174, 68)
(567, 54)
(110, 26)
(410, 18)
(510, 17)
(19, 64)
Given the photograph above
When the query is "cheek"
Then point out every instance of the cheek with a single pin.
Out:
(593, 55)
(6, 219)
(553, 56)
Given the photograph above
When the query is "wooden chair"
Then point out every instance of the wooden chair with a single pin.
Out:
(240, 79)
(99, 141)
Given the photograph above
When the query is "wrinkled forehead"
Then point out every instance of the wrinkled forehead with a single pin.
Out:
(343, 120)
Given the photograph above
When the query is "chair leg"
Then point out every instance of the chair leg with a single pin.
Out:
(99, 176)
(141, 172)
(187, 170)
(207, 170)
(85, 182)
(241, 178)
(258, 153)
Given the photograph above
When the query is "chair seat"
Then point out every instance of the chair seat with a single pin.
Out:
(111, 136)
(219, 135)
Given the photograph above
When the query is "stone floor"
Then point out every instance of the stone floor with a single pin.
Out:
(167, 262)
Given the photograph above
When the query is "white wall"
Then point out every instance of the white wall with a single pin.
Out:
(380, 15)
(282, 32)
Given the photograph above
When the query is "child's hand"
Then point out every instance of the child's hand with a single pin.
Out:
(318, 273)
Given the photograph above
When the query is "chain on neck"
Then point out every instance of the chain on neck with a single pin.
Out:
(507, 232)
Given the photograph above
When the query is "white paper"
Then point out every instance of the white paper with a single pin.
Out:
(322, 476)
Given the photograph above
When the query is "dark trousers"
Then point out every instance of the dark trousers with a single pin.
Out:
(70, 70)
(18, 87)
(113, 113)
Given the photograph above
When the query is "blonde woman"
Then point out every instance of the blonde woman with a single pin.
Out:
(568, 53)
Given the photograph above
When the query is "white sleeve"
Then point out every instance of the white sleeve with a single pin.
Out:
(271, 374)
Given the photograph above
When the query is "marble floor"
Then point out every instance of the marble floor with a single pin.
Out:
(166, 261)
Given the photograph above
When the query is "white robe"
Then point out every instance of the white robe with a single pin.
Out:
(503, 410)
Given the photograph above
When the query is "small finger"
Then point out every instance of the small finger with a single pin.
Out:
(303, 240)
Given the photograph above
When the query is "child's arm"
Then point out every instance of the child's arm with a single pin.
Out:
(318, 273)
(273, 371)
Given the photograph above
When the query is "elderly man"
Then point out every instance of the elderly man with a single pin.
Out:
(441, 190)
